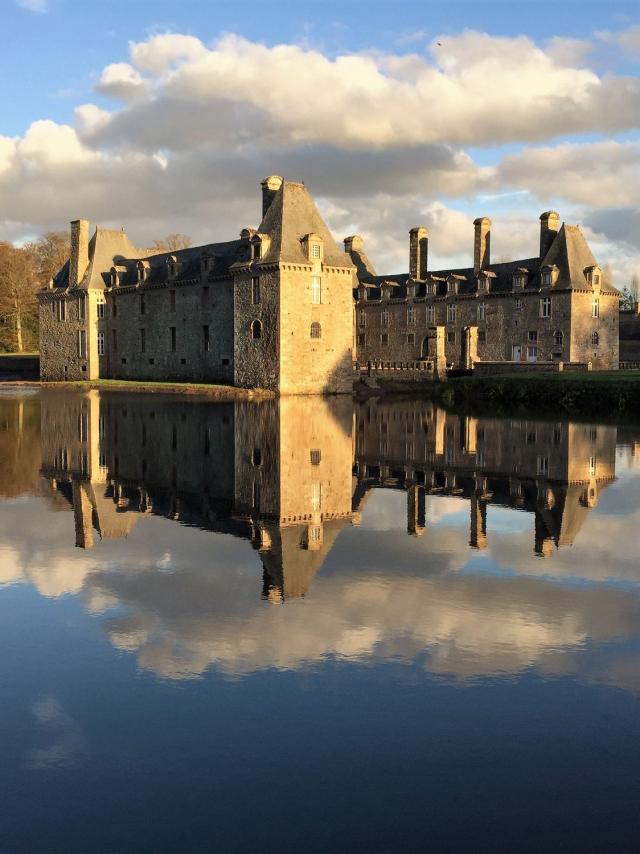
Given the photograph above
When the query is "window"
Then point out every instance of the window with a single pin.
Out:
(545, 307)
(61, 310)
(172, 333)
(316, 290)
(384, 338)
(114, 339)
(82, 307)
(316, 496)
(546, 277)
(593, 464)
(204, 296)
(256, 329)
(100, 310)
(411, 338)
(315, 456)
(206, 340)
(385, 317)
(316, 330)
(115, 309)
(255, 290)
(595, 339)
(82, 344)
(256, 249)
(100, 343)
(483, 283)
(172, 300)
(256, 457)
(362, 318)
(482, 311)
(518, 305)
(431, 314)
(411, 315)
(532, 354)
(143, 305)
(315, 534)
(362, 339)
(451, 337)
(315, 250)
(143, 340)
(482, 336)
(596, 278)
(533, 335)
(451, 313)
(543, 465)
(519, 281)
(595, 307)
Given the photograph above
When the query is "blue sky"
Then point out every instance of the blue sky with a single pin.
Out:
(414, 139)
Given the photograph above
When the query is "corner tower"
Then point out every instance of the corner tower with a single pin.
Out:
(293, 300)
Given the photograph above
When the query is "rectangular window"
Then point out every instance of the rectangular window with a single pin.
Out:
(595, 307)
(362, 318)
(115, 309)
(100, 343)
(482, 310)
(172, 300)
(61, 310)
(451, 337)
(362, 338)
(315, 250)
(172, 332)
(518, 305)
(100, 310)
(82, 307)
(384, 338)
(451, 313)
(143, 340)
(593, 463)
(411, 315)
(482, 336)
(316, 496)
(533, 335)
(255, 290)
(411, 338)
(315, 456)
(114, 338)
(204, 297)
(82, 344)
(545, 307)
(206, 341)
(532, 354)
(385, 317)
(316, 290)
(143, 304)
(546, 278)
(431, 314)
(543, 465)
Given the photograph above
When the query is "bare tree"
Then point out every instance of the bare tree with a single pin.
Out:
(18, 288)
(172, 242)
(51, 251)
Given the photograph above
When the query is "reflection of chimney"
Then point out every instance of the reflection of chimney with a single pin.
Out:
(549, 224)
(82, 514)
(270, 187)
(481, 244)
(79, 258)
(544, 543)
(418, 252)
(415, 510)
(478, 538)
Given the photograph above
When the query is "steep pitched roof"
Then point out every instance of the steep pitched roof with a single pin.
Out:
(291, 215)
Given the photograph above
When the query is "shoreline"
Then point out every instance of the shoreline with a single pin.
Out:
(218, 392)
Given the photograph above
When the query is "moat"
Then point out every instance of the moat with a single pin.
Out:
(312, 625)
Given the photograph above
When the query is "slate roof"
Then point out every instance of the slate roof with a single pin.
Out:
(569, 252)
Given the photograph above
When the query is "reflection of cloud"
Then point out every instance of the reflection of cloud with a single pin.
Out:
(66, 742)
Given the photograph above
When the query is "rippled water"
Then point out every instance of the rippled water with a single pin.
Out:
(308, 626)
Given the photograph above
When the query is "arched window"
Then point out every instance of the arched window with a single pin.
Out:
(316, 330)
(595, 339)
(558, 338)
(256, 329)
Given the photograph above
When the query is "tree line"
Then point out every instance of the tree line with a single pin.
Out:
(26, 269)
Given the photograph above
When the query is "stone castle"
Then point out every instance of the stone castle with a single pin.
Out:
(285, 308)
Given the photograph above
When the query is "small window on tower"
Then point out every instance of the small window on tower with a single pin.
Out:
(315, 250)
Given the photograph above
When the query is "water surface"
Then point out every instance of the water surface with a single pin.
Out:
(308, 626)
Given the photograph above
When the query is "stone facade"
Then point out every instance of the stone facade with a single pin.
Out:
(272, 309)
(557, 306)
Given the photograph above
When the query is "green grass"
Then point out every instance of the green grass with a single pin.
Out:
(152, 385)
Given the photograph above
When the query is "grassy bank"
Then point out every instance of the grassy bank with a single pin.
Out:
(603, 393)
(219, 392)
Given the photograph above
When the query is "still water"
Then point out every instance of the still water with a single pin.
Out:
(304, 626)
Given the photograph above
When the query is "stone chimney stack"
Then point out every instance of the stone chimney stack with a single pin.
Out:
(354, 243)
(418, 252)
(481, 243)
(549, 225)
(79, 258)
(270, 187)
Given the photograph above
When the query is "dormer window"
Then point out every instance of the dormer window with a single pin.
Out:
(593, 276)
(452, 286)
(312, 246)
(142, 268)
(172, 266)
(259, 246)
(315, 250)
(520, 278)
(205, 263)
(115, 276)
(256, 250)
(484, 283)
(548, 275)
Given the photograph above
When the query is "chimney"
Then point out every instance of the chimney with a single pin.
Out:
(549, 223)
(270, 187)
(418, 252)
(481, 243)
(354, 243)
(79, 258)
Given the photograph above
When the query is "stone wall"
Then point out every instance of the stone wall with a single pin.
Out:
(256, 362)
(605, 354)
(59, 349)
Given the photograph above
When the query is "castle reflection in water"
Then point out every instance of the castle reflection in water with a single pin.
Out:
(288, 475)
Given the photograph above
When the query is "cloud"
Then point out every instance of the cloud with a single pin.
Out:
(39, 6)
